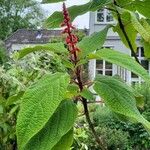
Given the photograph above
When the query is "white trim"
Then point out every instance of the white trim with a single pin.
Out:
(140, 57)
(104, 64)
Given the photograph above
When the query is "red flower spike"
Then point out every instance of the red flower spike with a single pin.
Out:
(71, 39)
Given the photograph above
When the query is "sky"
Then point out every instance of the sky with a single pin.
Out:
(80, 22)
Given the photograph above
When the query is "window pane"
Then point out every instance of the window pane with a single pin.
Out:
(99, 64)
(144, 64)
(142, 52)
(108, 65)
(99, 72)
(109, 17)
(109, 73)
(133, 75)
(100, 17)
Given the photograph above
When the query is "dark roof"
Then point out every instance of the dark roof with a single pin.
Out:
(29, 36)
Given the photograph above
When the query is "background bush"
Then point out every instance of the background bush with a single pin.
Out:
(116, 134)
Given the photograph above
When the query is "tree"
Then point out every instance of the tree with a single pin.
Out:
(16, 14)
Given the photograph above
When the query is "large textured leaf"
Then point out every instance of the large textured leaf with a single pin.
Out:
(52, 1)
(38, 104)
(86, 93)
(65, 142)
(129, 29)
(59, 124)
(139, 28)
(127, 4)
(91, 43)
(143, 7)
(53, 48)
(57, 18)
(119, 98)
(122, 60)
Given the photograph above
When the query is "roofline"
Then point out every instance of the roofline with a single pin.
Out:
(28, 30)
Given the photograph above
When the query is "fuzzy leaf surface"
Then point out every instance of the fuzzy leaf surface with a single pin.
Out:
(53, 48)
(139, 27)
(143, 7)
(91, 43)
(129, 28)
(65, 142)
(119, 98)
(38, 104)
(122, 60)
(58, 126)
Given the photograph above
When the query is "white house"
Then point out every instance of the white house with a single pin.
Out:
(98, 20)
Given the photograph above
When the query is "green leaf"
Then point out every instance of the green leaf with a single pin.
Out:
(13, 111)
(68, 64)
(38, 104)
(122, 60)
(52, 1)
(143, 7)
(57, 17)
(119, 98)
(65, 142)
(129, 28)
(146, 44)
(86, 93)
(58, 125)
(127, 4)
(72, 91)
(139, 28)
(53, 48)
(91, 43)
(14, 98)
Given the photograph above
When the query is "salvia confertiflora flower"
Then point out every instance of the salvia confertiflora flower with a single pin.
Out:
(71, 39)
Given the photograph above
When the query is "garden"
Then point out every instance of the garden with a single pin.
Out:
(47, 99)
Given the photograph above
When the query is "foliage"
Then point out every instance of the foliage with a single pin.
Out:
(3, 55)
(43, 122)
(16, 14)
(103, 120)
(16, 76)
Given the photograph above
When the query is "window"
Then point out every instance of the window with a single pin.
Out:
(104, 16)
(103, 67)
(144, 63)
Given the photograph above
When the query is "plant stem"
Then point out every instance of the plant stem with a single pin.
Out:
(71, 41)
(125, 34)
(86, 111)
(98, 140)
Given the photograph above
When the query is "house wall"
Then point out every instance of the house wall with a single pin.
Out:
(15, 47)
(113, 41)
(95, 26)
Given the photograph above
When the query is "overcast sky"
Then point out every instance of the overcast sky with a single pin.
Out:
(80, 22)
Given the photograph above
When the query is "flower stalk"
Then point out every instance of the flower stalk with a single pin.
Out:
(71, 39)
(71, 42)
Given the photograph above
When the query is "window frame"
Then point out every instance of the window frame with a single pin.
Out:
(140, 58)
(104, 70)
(105, 18)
